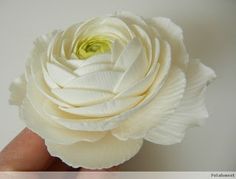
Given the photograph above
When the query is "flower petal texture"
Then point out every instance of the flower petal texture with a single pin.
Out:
(91, 154)
(97, 89)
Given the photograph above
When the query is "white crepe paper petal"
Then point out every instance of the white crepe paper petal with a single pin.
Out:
(98, 59)
(105, 153)
(36, 86)
(118, 24)
(142, 85)
(129, 55)
(59, 75)
(174, 35)
(161, 106)
(81, 97)
(93, 68)
(191, 111)
(112, 31)
(48, 80)
(132, 19)
(51, 131)
(101, 80)
(133, 74)
(108, 108)
(117, 48)
(17, 89)
(145, 39)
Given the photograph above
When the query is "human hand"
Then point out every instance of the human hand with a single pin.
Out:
(27, 152)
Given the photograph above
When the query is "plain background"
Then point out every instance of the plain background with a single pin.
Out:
(210, 34)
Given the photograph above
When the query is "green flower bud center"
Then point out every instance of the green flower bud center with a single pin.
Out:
(90, 46)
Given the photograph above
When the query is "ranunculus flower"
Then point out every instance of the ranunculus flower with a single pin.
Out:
(99, 88)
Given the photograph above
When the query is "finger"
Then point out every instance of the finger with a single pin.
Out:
(58, 165)
(26, 152)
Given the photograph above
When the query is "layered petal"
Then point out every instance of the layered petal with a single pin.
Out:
(81, 97)
(101, 80)
(129, 55)
(191, 111)
(105, 153)
(108, 123)
(17, 89)
(59, 75)
(50, 130)
(134, 73)
(108, 108)
(158, 109)
(116, 50)
(142, 85)
(96, 90)
(174, 35)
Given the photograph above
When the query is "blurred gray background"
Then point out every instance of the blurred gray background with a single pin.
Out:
(210, 34)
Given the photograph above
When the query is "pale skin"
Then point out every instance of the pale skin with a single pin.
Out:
(27, 152)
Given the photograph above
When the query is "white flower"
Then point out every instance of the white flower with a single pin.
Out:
(95, 91)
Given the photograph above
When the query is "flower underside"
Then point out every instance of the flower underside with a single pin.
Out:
(90, 46)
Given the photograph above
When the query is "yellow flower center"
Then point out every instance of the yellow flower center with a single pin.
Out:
(90, 46)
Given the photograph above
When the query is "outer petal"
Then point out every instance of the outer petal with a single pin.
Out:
(33, 112)
(161, 106)
(174, 35)
(52, 131)
(105, 153)
(38, 54)
(191, 111)
(17, 89)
